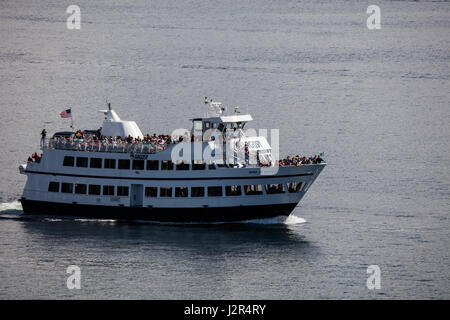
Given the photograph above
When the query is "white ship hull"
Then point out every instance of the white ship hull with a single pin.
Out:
(136, 205)
(118, 173)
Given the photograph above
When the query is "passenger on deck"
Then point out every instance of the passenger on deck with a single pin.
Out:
(43, 135)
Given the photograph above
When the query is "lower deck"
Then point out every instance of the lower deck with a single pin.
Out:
(225, 194)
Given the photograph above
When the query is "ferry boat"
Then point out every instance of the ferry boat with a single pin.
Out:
(216, 172)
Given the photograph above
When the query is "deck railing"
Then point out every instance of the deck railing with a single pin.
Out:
(104, 146)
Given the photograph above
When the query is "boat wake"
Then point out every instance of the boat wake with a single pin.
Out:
(280, 220)
(290, 220)
(11, 208)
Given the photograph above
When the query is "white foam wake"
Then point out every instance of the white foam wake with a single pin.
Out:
(11, 207)
(283, 220)
(96, 220)
(290, 220)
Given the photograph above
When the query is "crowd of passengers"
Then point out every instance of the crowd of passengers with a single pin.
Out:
(154, 139)
(35, 158)
(161, 141)
(84, 141)
(298, 161)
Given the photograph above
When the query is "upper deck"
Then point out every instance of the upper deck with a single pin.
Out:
(222, 133)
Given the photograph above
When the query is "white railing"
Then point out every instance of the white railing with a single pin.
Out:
(104, 146)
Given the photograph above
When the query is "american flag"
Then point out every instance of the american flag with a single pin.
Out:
(66, 113)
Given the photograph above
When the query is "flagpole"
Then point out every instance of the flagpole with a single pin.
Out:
(71, 118)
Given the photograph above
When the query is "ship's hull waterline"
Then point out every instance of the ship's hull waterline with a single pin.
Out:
(204, 214)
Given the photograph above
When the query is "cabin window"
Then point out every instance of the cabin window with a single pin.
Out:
(233, 190)
(197, 192)
(198, 125)
(165, 192)
(110, 164)
(151, 191)
(94, 189)
(294, 187)
(124, 164)
(152, 165)
(214, 191)
(82, 162)
(182, 166)
(68, 161)
(253, 189)
(96, 162)
(67, 187)
(166, 165)
(122, 191)
(80, 188)
(108, 190)
(198, 165)
(138, 165)
(181, 192)
(275, 188)
(53, 186)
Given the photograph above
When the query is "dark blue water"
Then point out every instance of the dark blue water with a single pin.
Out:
(376, 102)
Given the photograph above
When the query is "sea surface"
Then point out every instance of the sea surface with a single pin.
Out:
(376, 102)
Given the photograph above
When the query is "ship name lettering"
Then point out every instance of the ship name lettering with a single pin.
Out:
(139, 156)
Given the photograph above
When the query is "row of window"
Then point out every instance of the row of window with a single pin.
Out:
(127, 164)
(212, 191)
(92, 189)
